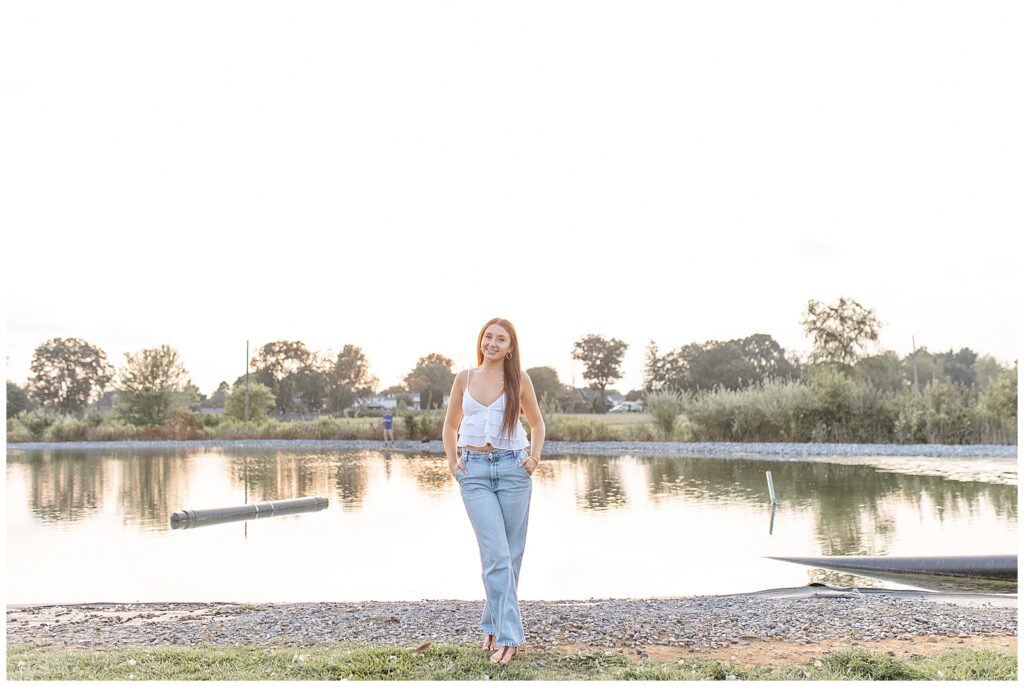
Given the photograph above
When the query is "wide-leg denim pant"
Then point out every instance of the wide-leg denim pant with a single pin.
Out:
(496, 490)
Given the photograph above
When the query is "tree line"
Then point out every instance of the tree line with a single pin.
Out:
(70, 374)
(843, 334)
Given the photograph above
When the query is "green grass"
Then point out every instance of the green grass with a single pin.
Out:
(446, 662)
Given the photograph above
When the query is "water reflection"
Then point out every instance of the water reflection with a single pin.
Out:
(640, 525)
(934, 583)
(598, 482)
(430, 472)
(853, 505)
(65, 488)
(285, 475)
(150, 485)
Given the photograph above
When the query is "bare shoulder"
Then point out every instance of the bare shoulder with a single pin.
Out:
(525, 382)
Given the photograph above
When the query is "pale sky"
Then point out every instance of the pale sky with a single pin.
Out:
(393, 174)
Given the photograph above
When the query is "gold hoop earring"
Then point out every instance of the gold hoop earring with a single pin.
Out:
(508, 356)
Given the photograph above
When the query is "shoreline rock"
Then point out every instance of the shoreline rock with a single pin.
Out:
(801, 615)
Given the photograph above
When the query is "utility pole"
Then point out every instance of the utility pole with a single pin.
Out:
(247, 381)
(913, 363)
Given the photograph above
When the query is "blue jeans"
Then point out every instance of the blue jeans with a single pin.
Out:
(496, 491)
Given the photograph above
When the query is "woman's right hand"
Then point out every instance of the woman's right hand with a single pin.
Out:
(454, 467)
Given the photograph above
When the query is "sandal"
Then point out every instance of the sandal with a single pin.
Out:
(490, 644)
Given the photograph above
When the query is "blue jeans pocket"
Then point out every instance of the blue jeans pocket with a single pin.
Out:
(520, 459)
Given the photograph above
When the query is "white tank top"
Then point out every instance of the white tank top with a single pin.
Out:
(481, 424)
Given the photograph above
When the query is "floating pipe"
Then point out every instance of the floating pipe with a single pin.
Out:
(771, 486)
(185, 519)
(1002, 567)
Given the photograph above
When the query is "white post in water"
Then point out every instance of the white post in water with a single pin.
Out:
(771, 485)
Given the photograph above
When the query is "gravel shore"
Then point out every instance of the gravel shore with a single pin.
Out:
(638, 448)
(803, 615)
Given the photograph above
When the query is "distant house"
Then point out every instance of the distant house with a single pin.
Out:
(389, 401)
(105, 403)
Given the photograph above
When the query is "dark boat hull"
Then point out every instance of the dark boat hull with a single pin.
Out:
(981, 567)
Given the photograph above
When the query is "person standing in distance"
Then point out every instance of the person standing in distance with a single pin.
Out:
(495, 473)
(389, 431)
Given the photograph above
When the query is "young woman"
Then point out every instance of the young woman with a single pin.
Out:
(495, 472)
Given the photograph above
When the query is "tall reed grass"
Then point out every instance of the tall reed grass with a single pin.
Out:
(835, 408)
(665, 408)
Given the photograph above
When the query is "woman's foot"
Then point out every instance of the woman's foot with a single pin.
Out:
(504, 655)
(490, 644)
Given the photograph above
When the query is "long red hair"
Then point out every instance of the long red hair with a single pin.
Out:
(512, 373)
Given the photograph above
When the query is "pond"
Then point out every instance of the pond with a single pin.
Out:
(93, 525)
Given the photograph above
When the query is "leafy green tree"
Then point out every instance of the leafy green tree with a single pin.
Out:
(275, 366)
(654, 377)
(767, 357)
(601, 359)
(551, 393)
(840, 332)
(67, 374)
(218, 397)
(959, 366)
(987, 370)
(675, 368)
(153, 383)
(191, 397)
(1003, 393)
(929, 367)
(884, 371)
(261, 402)
(432, 378)
(350, 378)
(734, 364)
(17, 399)
(720, 364)
(311, 384)
(664, 372)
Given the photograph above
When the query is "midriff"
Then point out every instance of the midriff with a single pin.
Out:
(487, 449)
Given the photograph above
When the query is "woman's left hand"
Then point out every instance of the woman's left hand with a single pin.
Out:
(530, 464)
